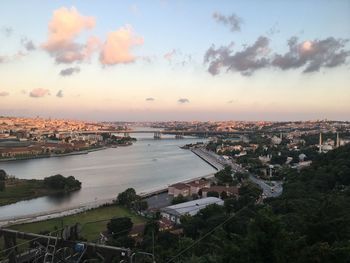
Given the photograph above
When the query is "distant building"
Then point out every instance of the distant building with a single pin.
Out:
(174, 212)
(179, 189)
(196, 185)
(289, 160)
(242, 153)
(10, 152)
(344, 141)
(229, 190)
(276, 140)
(187, 189)
(302, 157)
(303, 164)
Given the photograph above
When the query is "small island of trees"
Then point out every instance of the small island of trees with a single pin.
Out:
(13, 189)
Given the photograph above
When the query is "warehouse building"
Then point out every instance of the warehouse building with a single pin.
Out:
(174, 212)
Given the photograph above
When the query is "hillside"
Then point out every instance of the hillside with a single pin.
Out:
(309, 222)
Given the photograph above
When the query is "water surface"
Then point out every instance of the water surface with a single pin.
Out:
(148, 164)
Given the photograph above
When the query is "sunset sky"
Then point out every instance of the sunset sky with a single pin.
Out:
(175, 60)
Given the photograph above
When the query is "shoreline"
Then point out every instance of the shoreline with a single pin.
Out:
(36, 217)
(13, 159)
(55, 192)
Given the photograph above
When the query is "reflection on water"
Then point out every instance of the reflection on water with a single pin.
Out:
(148, 164)
(60, 198)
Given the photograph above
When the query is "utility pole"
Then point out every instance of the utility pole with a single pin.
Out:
(153, 242)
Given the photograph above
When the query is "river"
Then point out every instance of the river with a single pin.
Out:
(147, 165)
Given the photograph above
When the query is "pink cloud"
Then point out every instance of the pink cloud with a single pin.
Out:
(118, 45)
(4, 93)
(169, 55)
(65, 25)
(38, 93)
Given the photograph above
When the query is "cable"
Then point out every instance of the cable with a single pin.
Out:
(200, 239)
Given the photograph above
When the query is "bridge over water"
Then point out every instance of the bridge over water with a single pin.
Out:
(158, 134)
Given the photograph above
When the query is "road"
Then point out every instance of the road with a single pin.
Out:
(217, 160)
(268, 191)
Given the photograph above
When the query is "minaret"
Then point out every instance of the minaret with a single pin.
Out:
(338, 140)
(281, 136)
(320, 143)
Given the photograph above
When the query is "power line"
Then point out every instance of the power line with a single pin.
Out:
(201, 238)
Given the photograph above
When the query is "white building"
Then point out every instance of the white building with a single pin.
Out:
(174, 212)
(276, 140)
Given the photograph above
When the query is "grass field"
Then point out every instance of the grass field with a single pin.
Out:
(90, 231)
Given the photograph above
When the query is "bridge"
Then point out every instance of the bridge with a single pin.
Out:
(179, 134)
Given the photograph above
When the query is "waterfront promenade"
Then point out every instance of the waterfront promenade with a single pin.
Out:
(210, 157)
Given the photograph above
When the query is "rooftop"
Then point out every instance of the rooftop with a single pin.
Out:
(220, 189)
(192, 207)
(180, 186)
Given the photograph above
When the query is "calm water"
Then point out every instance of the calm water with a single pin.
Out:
(148, 164)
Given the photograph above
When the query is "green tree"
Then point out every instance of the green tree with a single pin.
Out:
(3, 175)
(241, 176)
(60, 182)
(223, 195)
(127, 197)
(250, 192)
(224, 176)
(151, 227)
(140, 205)
(119, 226)
(265, 237)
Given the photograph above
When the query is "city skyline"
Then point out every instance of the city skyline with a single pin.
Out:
(162, 60)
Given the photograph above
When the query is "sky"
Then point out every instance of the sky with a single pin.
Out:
(175, 60)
